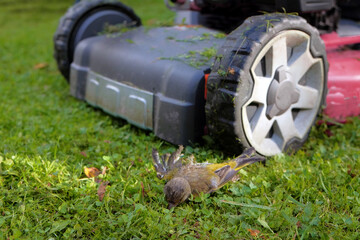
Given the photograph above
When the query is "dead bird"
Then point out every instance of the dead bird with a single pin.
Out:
(195, 178)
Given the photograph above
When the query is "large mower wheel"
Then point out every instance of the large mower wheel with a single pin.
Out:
(267, 85)
(87, 19)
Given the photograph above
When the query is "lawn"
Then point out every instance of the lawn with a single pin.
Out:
(47, 138)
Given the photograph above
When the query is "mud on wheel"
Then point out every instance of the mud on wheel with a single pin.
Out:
(83, 20)
(267, 85)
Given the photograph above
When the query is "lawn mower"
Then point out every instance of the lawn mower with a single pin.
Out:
(246, 73)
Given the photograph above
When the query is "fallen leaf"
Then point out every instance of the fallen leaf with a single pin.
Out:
(101, 190)
(83, 153)
(231, 71)
(329, 133)
(151, 21)
(298, 224)
(92, 172)
(104, 170)
(253, 232)
(142, 190)
(350, 172)
(41, 65)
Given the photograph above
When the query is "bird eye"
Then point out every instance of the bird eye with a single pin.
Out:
(159, 176)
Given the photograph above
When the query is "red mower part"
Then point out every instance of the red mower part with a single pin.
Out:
(333, 40)
(206, 76)
(343, 99)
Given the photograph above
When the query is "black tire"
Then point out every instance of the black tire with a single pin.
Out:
(235, 107)
(83, 20)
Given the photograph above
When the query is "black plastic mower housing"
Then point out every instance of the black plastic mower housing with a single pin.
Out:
(153, 78)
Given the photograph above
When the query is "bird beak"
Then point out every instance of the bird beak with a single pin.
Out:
(171, 205)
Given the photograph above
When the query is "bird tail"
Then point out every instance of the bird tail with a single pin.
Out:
(249, 156)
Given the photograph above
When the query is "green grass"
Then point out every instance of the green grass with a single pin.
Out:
(47, 137)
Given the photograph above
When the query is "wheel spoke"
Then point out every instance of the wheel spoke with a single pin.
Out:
(261, 86)
(260, 126)
(300, 65)
(308, 97)
(279, 53)
(271, 144)
(287, 126)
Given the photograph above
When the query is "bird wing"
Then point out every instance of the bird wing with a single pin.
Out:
(225, 174)
(247, 157)
(166, 163)
(173, 161)
(248, 152)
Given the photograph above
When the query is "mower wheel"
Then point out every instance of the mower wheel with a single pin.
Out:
(267, 85)
(87, 19)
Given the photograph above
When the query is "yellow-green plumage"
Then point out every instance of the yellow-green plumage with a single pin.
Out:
(191, 178)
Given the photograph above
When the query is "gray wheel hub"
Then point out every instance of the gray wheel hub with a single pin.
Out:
(282, 93)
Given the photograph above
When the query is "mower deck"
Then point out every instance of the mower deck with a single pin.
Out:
(152, 78)
(343, 99)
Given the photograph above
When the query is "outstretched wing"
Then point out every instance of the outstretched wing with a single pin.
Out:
(247, 157)
(167, 162)
(228, 171)
(225, 174)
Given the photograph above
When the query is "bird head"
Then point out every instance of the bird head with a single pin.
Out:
(177, 190)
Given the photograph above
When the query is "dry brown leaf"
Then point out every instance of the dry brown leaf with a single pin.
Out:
(294, 237)
(142, 190)
(102, 189)
(253, 232)
(41, 65)
(91, 172)
(231, 71)
(350, 171)
(83, 153)
(104, 170)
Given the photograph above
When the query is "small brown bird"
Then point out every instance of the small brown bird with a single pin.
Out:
(194, 178)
